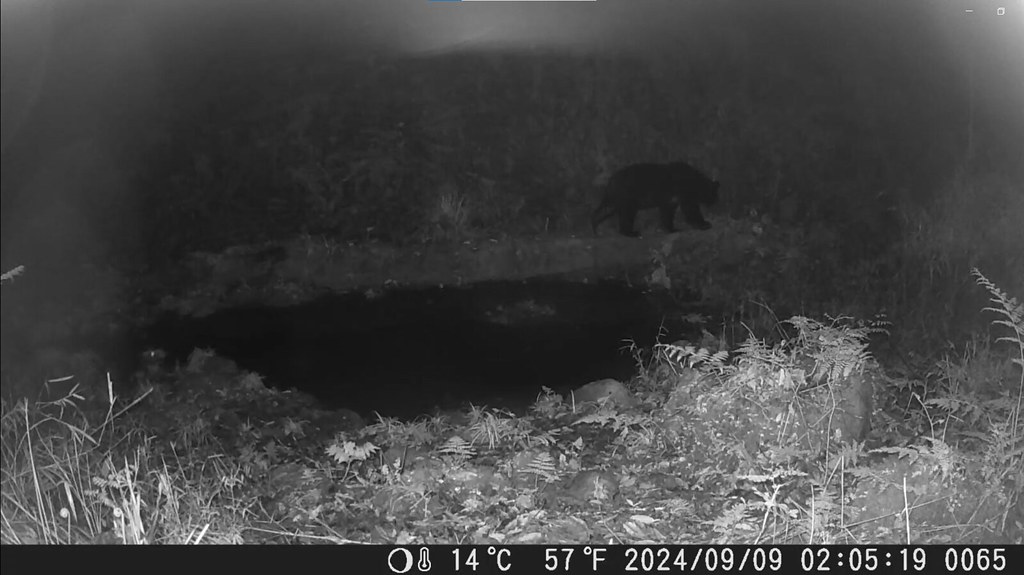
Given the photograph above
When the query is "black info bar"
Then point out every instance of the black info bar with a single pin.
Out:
(529, 559)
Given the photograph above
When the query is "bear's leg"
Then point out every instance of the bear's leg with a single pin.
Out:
(694, 217)
(602, 213)
(668, 214)
(627, 217)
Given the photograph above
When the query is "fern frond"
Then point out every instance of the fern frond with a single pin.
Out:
(1013, 311)
(9, 275)
(838, 349)
(683, 354)
(1009, 308)
(543, 466)
(458, 447)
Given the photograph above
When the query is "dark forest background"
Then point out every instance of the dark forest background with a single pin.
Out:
(881, 141)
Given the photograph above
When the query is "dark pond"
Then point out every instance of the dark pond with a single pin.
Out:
(407, 352)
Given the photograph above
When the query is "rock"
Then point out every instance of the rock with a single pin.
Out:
(612, 389)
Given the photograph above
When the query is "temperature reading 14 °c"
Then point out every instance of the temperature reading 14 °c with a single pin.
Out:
(470, 561)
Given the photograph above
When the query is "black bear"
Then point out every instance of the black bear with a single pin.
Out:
(664, 186)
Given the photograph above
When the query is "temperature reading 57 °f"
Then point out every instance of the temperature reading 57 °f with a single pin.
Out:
(556, 564)
(471, 561)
